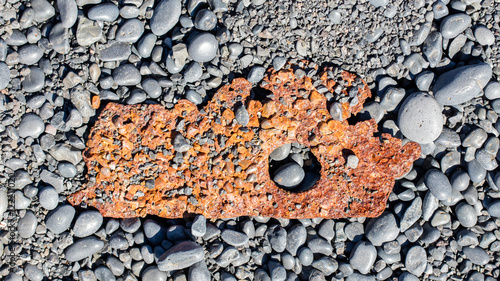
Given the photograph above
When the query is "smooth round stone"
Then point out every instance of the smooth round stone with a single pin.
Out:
(424, 80)
(477, 173)
(104, 273)
(115, 265)
(48, 198)
(416, 260)
(453, 25)
(129, 11)
(242, 116)
(104, 12)
(461, 84)
(476, 255)
(306, 256)
(130, 225)
(26, 226)
(466, 214)
(484, 36)
(289, 175)
(475, 139)
(87, 223)
(205, 20)
(16, 38)
(43, 10)
(494, 209)
(420, 118)
(379, 3)
(4, 75)
(193, 72)
(33, 273)
(491, 91)
(152, 88)
(66, 169)
(136, 96)
(199, 226)
(199, 272)
(83, 248)
(194, 97)
(60, 219)
(438, 184)
(152, 273)
(256, 74)
(146, 45)
(203, 47)
(281, 153)
(165, 16)
(21, 202)
(130, 31)
(460, 180)
(127, 75)
(276, 235)
(35, 81)
(154, 232)
(31, 125)
(382, 229)
(30, 54)
(288, 261)
(234, 238)
(363, 256)
(181, 255)
(408, 277)
(68, 12)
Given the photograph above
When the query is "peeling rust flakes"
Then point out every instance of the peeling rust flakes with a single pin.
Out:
(225, 171)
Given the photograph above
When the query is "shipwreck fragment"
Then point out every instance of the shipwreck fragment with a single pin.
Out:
(219, 168)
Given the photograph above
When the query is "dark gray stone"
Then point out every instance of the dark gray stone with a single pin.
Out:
(203, 47)
(382, 229)
(127, 75)
(453, 25)
(363, 256)
(83, 248)
(205, 20)
(26, 226)
(181, 255)
(87, 223)
(68, 12)
(165, 16)
(59, 220)
(31, 125)
(35, 80)
(438, 184)
(416, 260)
(289, 175)
(130, 31)
(234, 238)
(30, 54)
(104, 12)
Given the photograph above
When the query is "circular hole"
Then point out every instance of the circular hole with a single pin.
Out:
(293, 167)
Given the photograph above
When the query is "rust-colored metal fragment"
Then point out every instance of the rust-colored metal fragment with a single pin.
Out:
(133, 169)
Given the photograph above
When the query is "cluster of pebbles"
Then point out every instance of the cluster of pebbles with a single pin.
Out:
(432, 66)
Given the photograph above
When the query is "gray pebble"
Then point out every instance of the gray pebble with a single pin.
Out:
(466, 214)
(491, 91)
(118, 51)
(4, 203)
(476, 172)
(65, 152)
(433, 49)
(278, 63)
(234, 238)
(26, 226)
(199, 227)
(154, 232)
(152, 273)
(30, 54)
(476, 255)
(494, 208)
(205, 20)
(194, 97)
(130, 31)
(152, 88)
(21, 202)
(181, 255)
(335, 17)
(59, 38)
(486, 159)
(35, 80)
(455, 24)
(66, 169)
(306, 256)
(363, 256)
(420, 118)
(382, 229)
(256, 74)
(461, 84)
(68, 12)
(48, 198)
(281, 153)
(127, 75)
(379, 3)
(296, 237)
(276, 236)
(4, 75)
(115, 265)
(475, 138)
(415, 63)
(146, 45)
(199, 272)
(83, 248)
(411, 214)
(180, 143)
(242, 116)
(440, 10)
(136, 96)
(460, 180)
(424, 80)
(193, 72)
(438, 184)
(59, 220)
(43, 10)
(203, 47)
(130, 225)
(103, 273)
(33, 273)
(16, 38)
(87, 223)
(88, 32)
(289, 175)
(484, 36)
(165, 16)
(104, 12)
(31, 125)
(416, 260)
(129, 11)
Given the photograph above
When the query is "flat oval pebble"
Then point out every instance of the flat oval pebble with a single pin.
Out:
(242, 116)
(461, 84)
(104, 12)
(152, 88)
(152, 273)
(127, 75)
(59, 220)
(476, 255)
(4, 75)
(87, 223)
(199, 272)
(438, 184)
(146, 45)
(194, 97)
(484, 36)
(455, 24)
(193, 72)
(35, 81)
(494, 209)
(68, 12)
(48, 197)
(205, 20)
(416, 260)
(289, 175)
(165, 16)
(466, 214)
(203, 47)
(491, 91)
(420, 118)
(234, 238)
(66, 169)
(43, 10)
(33, 273)
(83, 248)
(30, 54)
(155, 233)
(181, 255)
(363, 256)
(281, 153)
(27, 225)
(130, 31)
(31, 125)
(382, 229)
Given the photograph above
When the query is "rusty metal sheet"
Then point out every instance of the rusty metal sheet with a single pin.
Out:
(133, 169)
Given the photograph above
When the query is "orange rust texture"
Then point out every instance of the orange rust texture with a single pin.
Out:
(131, 144)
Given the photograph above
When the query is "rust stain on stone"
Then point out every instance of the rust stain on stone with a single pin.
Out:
(133, 169)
